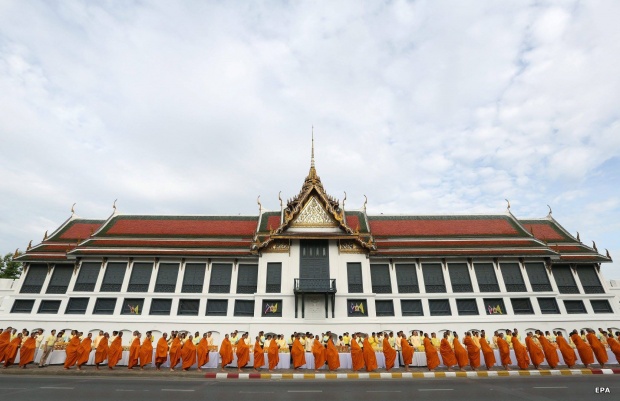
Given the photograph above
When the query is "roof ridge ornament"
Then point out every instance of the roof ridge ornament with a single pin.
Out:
(578, 239)
(550, 211)
(365, 202)
(73, 209)
(594, 246)
(114, 206)
(508, 207)
(260, 207)
(607, 252)
(45, 236)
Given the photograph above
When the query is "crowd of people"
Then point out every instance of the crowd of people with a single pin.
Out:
(186, 350)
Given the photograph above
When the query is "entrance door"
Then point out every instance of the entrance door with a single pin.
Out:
(314, 264)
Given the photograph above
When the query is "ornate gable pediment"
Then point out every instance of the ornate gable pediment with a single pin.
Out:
(313, 214)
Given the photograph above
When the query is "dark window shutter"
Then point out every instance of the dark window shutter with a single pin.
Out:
(433, 278)
(61, 277)
(76, 306)
(467, 307)
(221, 274)
(380, 279)
(217, 307)
(537, 274)
(49, 307)
(512, 277)
(459, 277)
(160, 306)
(601, 306)
(189, 307)
(575, 307)
(589, 280)
(439, 307)
(166, 277)
(407, 278)
(104, 306)
(274, 277)
(548, 306)
(487, 280)
(194, 278)
(22, 306)
(244, 308)
(140, 277)
(34, 279)
(354, 277)
(384, 307)
(564, 279)
(522, 306)
(87, 277)
(247, 279)
(411, 307)
(113, 277)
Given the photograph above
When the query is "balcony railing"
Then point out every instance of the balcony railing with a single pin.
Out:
(315, 285)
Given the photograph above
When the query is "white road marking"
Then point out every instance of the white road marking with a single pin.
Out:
(58, 388)
(435, 389)
(305, 391)
(176, 389)
(256, 392)
(552, 387)
(383, 391)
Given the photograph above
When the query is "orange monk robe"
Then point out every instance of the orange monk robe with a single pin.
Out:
(273, 355)
(357, 356)
(259, 355)
(585, 352)
(161, 352)
(390, 354)
(487, 351)
(298, 353)
(319, 351)
(175, 352)
(568, 353)
(202, 352)
(83, 352)
(447, 353)
(226, 352)
(101, 353)
(331, 353)
(599, 349)
(523, 359)
(551, 353)
(71, 352)
(614, 346)
(473, 352)
(26, 351)
(188, 354)
(432, 358)
(536, 354)
(243, 353)
(134, 353)
(10, 352)
(146, 352)
(460, 352)
(370, 359)
(115, 352)
(504, 351)
(5, 339)
(407, 352)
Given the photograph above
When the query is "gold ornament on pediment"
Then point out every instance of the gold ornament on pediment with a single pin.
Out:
(350, 246)
(314, 215)
(278, 247)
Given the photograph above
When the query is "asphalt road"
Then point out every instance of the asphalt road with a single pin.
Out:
(546, 388)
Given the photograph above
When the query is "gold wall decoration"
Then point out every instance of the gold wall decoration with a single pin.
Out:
(350, 246)
(314, 215)
(278, 247)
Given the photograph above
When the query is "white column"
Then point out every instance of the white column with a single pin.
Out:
(102, 270)
(526, 278)
(153, 279)
(500, 277)
(127, 276)
(472, 276)
(573, 270)
(233, 278)
(179, 284)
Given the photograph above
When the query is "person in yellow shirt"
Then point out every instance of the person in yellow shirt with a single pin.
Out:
(372, 341)
(98, 339)
(346, 340)
(509, 338)
(435, 341)
(392, 340)
(48, 347)
(475, 338)
(197, 338)
(416, 340)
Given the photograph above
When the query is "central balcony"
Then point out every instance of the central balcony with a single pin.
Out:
(311, 286)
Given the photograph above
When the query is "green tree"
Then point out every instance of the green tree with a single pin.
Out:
(10, 268)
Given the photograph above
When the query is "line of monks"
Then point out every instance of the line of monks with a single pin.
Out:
(183, 349)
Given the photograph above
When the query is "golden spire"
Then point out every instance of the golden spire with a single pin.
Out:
(312, 173)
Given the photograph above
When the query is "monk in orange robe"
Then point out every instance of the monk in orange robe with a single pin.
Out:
(101, 353)
(447, 353)
(188, 353)
(473, 352)
(487, 351)
(202, 352)
(134, 351)
(551, 353)
(146, 351)
(536, 354)
(26, 351)
(175, 351)
(389, 353)
(259, 355)
(115, 351)
(226, 352)
(72, 349)
(5, 339)
(357, 355)
(370, 359)
(432, 357)
(584, 350)
(406, 350)
(331, 353)
(460, 352)
(83, 352)
(10, 352)
(523, 359)
(568, 353)
(273, 353)
(504, 351)
(318, 351)
(298, 353)
(243, 352)
(597, 347)
(161, 352)
(614, 346)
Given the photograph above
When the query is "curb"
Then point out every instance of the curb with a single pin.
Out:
(410, 375)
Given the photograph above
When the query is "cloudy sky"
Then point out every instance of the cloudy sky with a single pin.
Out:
(197, 107)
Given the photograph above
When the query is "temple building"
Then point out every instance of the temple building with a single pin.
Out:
(311, 266)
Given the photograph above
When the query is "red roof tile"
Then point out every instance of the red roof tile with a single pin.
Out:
(182, 227)
(80, 230)
(353, 222)
(436, 227)
(190, 252)
(273, 222)
(457, 244)
(544, 231)
(166, 244)
(461, 252)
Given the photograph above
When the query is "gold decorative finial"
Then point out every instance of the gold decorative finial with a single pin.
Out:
(344, 199)
(365, 202)
(114, 205)
(550, 211)
(260, 207)
(607, 252)
(594, 246)
(73, 209)
(29, 245)
(280, 198)
(578, 239)
(312, 154)
(508, 204)
(16, 254)
(45, 235)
